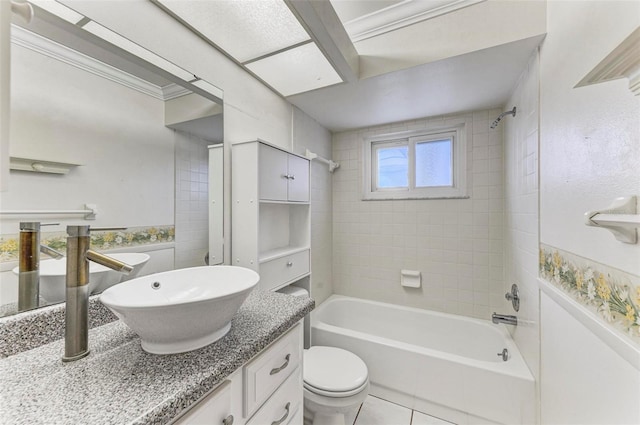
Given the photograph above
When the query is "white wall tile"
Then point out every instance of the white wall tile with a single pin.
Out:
(437, 237)
(191, 191)
(521, 214)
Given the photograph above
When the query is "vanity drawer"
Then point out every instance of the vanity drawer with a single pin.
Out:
(214, 408)
(277, 272)
(285, 405)
(271, 368)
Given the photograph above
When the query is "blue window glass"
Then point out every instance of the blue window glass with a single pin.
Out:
(433, 163)
(393, 166)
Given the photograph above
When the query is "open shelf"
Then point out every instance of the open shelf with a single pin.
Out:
(270, 201)
(276, 253)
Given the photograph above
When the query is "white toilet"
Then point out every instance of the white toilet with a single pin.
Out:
(336, 382)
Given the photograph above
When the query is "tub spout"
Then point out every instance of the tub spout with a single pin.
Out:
(504, 318)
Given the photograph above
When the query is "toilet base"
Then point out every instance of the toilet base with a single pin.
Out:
(330, 419)
(321, 410)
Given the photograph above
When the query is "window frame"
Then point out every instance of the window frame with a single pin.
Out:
(458, 131)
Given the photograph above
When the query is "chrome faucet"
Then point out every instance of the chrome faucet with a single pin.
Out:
(76, 336)
(29, 264)
(504, 318)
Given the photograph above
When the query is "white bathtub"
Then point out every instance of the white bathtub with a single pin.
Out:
(441, 363)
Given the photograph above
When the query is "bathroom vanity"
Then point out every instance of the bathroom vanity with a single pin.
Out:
(251, 376)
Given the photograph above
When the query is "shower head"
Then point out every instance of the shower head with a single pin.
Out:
(512, 112)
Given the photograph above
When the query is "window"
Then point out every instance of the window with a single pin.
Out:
(417, 165)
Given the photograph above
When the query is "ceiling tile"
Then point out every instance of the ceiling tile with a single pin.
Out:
(244, 29)
(296, 70)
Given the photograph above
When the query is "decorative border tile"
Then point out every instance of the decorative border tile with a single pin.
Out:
(614, 295)
(133, 236)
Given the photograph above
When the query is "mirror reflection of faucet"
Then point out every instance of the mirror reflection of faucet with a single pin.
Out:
(29, 264)
(56, 255)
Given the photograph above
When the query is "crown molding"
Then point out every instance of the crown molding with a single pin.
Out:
(29, 40)
(622, 62)
(400, 15)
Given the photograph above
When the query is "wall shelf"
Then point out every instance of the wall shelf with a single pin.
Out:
(622, 62)
(40, 166)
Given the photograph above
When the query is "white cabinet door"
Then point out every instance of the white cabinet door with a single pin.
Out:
(273, 174)
(298, 179)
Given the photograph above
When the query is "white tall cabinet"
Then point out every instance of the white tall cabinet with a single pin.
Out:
(270, 222)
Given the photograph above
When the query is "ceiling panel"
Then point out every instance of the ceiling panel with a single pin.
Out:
(296, 70)
(244, 29)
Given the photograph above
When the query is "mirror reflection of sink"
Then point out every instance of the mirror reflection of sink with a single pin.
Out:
(53, 275)
(181, 310)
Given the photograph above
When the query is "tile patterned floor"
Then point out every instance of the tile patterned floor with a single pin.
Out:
(376, 411)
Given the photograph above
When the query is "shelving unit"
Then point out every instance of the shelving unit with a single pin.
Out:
(271, 214)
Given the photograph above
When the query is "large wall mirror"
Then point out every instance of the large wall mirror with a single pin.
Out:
(105, 133)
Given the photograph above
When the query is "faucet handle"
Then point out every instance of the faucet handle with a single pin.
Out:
(514, 297)
(34, 226)
(105, 229)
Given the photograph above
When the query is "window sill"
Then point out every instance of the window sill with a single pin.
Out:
(415, 198)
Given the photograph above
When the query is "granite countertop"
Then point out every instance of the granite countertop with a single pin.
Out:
(119, 383)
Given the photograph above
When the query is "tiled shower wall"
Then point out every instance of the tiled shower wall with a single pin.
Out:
(192, 191)
(521, 212)
(456, 244)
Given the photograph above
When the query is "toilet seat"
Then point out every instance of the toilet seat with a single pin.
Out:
(333, 372)
(334, 394)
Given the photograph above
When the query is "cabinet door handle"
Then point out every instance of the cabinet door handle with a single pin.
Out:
(292, 176)
(284, 365)
(289, 263)
(228, 420)
(285, 176)
(286, 415)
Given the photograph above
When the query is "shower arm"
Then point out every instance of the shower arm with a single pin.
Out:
(511, 112)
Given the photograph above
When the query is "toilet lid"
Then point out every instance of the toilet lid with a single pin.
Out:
(333, 369)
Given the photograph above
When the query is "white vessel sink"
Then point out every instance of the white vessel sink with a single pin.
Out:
(181, 310)
(53, 275)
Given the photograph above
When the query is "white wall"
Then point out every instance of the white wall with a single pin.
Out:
(589, 155)
(308, 134)
(456, 244)
(590, 136)
(584, 381)
(521, 212)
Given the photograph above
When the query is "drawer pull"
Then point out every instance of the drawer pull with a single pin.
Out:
(228, 420)
(284, 418)
(289, 263)
(278, 369)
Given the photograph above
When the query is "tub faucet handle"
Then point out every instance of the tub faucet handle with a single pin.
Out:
(504, 354)
(514, 297)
